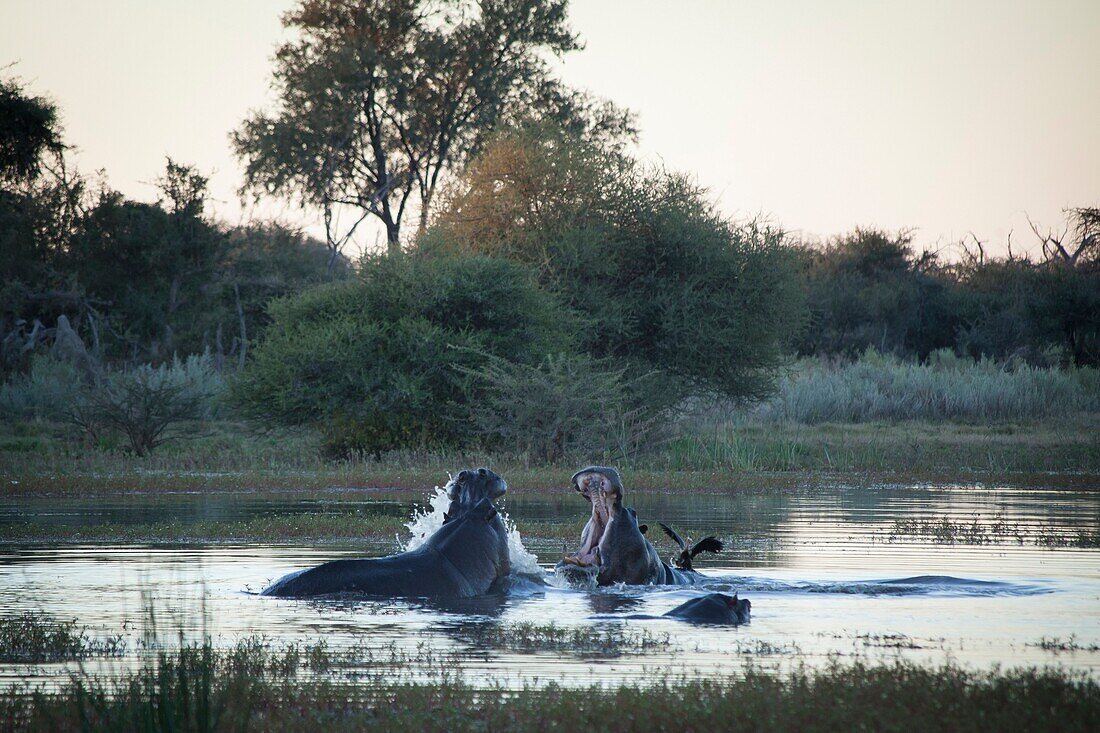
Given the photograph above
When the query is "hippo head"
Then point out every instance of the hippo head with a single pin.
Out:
(472, 489)
(602, 486)
(740, 608)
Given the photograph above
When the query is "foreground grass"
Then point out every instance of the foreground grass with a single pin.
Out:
(47, 459)
(33, 638)
(253, 687)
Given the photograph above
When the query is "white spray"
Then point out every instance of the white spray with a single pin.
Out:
(425, 522)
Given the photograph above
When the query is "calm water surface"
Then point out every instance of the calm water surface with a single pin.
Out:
(827, 577)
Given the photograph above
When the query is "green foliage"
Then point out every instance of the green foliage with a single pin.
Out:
(32, 637)
(378, 98)
(29, 127)
(663, 282)
(569, 404)
(868, 289)
(264, 262)
(373, 360)
(256, 685)
(46, 391)
(884, 388)
(169, 258)
(147, 403)
(39, 204)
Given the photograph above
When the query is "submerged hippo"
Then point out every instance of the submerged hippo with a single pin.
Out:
(613, 545)
(713, 608)
(466, 557)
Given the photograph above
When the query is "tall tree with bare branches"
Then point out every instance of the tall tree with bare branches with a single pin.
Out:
(377, 99)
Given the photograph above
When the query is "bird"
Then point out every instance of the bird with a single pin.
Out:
(687, 554)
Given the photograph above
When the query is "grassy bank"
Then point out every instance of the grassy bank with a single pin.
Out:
(321, 528)
(256, 687)
(45, 458)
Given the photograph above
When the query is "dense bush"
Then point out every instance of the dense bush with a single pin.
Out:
(878, 387)
(139, 282)
(144, 403)
(372, 361)
(869, 289)
(567, 405)
(663, 282)
(45, 391)
(147, 403)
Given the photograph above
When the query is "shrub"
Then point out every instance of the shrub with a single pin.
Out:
(372, 361)
(881, 387)
(567, 405)
(46, 391)
(663, 282)
(868, 289)
(147, 403)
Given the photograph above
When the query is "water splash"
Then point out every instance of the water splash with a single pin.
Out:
(426, 521)
(523, 562)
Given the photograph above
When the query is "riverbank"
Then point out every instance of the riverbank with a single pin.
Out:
(47, 459)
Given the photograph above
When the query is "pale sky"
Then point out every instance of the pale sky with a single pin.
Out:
(947, 117)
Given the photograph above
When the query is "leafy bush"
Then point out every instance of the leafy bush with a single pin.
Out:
(372, 361)
(878, 387)
(147, 403)
(46, 391)
(567, 405)
(663, 282)
(868, 289)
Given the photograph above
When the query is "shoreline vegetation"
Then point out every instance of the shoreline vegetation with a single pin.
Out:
(258, 685)
(40, 458)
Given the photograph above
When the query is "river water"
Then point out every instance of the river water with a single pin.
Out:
(834, 574)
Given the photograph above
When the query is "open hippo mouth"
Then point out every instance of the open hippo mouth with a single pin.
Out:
(604, 489)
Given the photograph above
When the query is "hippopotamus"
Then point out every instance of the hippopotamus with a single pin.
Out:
(713, 608)
(613, 545)
(466, 557)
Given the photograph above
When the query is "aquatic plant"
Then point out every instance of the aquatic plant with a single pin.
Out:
(256, 687)
(36, 637)
(1057, 645)
(976, 531)
(586, 641)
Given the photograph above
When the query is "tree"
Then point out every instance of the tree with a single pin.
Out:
(170, 253)
(377, 99)
(40, 208)
(662, 281)
(869, 289)
(29, 128)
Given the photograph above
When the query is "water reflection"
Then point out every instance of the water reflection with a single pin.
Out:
(824, 576)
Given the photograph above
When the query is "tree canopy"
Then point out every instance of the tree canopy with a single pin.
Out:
(378, 99)
(663, 282)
